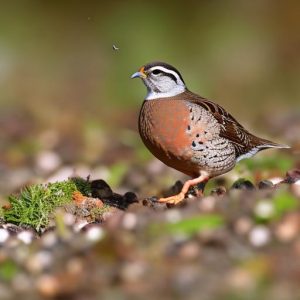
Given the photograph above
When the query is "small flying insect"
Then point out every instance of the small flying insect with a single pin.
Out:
(115, 47)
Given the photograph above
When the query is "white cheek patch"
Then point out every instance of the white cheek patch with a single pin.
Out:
(165, 88)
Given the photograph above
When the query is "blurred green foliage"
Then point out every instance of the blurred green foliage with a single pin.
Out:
(8, 270)
(191, 226)
(284, 202)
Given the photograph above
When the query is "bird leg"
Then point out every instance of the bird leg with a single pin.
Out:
(179, 197)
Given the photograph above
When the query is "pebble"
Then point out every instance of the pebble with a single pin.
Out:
(265, 184)
(276, 180)
(288, 228)
(62, 174)
(243, 225)
(173, 215)
(207, 204)
(260, 236)
(47, 161)
(49, 239)
(240, 279)
(25, 236)
(79, 225)
(264, 209)
(39, 261)
(133, 271)
(296, 188)
(292, 176)
(243, 184)
(4, 235)
(190, 250)
(47, 285)
(94, 233)
(129, 221)
(100, 189)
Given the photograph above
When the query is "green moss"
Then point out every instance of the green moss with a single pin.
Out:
(36, 203)
(96, 213)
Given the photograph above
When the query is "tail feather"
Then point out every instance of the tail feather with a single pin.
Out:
(265, 144)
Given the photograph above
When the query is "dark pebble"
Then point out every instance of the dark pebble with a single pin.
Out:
(130, 197)
(219, 191)
(292, 176)
(265, 184)
(100, 189)
(243, 184)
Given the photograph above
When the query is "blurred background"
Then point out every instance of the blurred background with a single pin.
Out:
(67, 103)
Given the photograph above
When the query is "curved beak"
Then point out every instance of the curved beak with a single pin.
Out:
(139, 74)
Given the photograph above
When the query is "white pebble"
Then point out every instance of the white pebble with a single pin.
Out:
(129, 221)
(264, 209)
(95, 233)
(276, 180)
(40, 261)
(62, 174)
(260, 236)
(79, 225)
(173, 215)
(48, 161)
(4, 235)
(49, 239)
(25, 236)
(207, 203)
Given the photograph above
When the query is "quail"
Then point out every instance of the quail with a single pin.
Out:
(188, 132)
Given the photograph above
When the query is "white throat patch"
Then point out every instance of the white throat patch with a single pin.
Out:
(175, 91)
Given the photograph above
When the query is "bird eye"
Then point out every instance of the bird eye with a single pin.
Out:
(156, 72)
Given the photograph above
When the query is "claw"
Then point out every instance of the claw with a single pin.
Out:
(173, 199)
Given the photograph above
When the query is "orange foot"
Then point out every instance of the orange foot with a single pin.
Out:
(173, 199)
(179, 197)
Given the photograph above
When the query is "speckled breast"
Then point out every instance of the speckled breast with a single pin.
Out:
(163, 127)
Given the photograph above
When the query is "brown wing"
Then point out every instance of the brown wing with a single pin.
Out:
(242, 140)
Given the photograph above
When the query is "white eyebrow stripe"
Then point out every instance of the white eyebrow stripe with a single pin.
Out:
(168, 71)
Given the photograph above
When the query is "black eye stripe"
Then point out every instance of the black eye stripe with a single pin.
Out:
(156, 72)
(172, 76)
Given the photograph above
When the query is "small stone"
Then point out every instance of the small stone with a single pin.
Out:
(4, 235)
(190, 250)
(25, 236)
(207, 204)
(47, 285)
(292, 176)
(296, 188)
(129, 221)
(243, 184)
(100, 189)
(288, 228)
(240, 279)
(276, 180)
(264, 209)
(39, 261)
(265, 184)
(243, 225)
(94, 233)
(47, 161)
(218, 191)
(259, 236)
(130, 197)
(133, 271)
(173, 215)
(49, 239)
